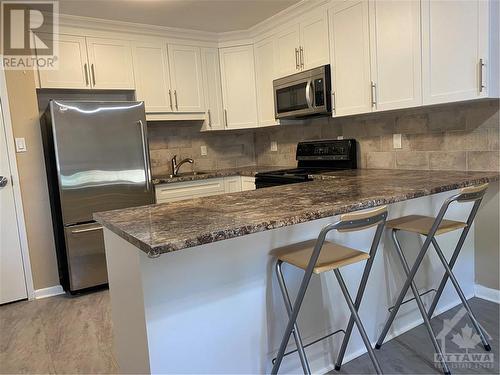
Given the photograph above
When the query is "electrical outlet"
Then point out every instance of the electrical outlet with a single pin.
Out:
(340, 137)
(20, 145)
(203, 150)
(396, 141)
(274, 146)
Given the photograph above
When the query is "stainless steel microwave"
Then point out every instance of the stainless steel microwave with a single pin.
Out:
(303, 94)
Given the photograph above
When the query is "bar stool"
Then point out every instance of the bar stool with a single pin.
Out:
(432, 227)
(318, 256)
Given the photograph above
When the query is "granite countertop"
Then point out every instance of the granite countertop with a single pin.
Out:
(249, 171)
(163, 228)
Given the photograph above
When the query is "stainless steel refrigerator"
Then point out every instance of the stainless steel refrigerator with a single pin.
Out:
(97, 159)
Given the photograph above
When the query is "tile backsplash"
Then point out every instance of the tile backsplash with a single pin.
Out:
(461, 136)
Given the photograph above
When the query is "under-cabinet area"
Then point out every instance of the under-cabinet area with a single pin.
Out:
(384, 55)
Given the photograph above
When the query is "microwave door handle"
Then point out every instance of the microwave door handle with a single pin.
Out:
(309, 93)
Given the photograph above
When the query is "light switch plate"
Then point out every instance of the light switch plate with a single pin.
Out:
(20, 145)
(274, 146)
(396, 141)
(203, 150)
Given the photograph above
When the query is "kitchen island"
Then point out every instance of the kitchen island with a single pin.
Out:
(192, 283)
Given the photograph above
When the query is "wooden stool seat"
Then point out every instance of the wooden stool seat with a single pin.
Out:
(423, 224)
(332, 255)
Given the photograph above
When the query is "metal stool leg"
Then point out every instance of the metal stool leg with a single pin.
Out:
(412, 274)
(455, 283)
(296, 332)
(420, 304)
(355, 316)
(359, 296)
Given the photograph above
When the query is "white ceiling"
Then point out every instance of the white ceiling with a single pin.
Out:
(204, 15)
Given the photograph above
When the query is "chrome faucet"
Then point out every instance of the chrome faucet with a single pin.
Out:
(175, 166)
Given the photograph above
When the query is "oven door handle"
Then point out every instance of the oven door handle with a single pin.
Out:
(309, 94)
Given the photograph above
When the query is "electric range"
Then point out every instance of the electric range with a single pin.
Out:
(313, 157)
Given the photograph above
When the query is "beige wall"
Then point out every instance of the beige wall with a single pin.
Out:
(31, 169)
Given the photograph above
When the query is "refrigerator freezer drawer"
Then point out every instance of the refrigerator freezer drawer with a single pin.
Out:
(86, 257)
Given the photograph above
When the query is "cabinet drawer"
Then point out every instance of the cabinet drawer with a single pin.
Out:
(186, 190)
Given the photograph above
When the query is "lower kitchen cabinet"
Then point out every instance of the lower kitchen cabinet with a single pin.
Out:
(178, 191)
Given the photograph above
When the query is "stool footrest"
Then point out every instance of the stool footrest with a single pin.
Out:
(312, 343)
(412, 299)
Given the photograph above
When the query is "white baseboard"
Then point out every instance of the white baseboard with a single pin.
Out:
(488, 294)
(49, 292)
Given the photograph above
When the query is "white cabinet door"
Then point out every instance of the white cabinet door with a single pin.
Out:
(232, 184)
(110, 63)
(12, 281)
(247, 183)
(238, 87)
(186, 78)
(73, 69)
(212, 88)
(314, 41)
(178, 191)
(287, 51)
(395, 56)
(264, 74)
(350, 57)
(152, 76)
(454, 39)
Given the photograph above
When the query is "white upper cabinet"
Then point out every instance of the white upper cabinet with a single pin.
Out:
(152, 76)
(186, 78)
(455, 42)
(395, 55)
(350, 58)
(212, 88)
(73, 69)
(287, 51)
(264, 74)
(303, 45)
(110, 63)
(238, 87)
(314, 41)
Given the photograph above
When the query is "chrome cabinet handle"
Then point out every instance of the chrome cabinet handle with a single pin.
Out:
(86, 230)
(145, 155)
(333, 101)
(481, 66)
(93, 72)
(373, 89)
(225, 117)
(3, 181)
(297, 59)
(170, 98)
(209, 118)
(176, 104)
(86, 74)
(301, 57)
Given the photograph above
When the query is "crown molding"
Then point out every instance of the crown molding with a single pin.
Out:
(75, 24)
(67, 21)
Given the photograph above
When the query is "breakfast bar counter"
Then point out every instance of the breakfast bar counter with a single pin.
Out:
(195, 277)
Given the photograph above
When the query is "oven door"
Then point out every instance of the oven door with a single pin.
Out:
(302, 94)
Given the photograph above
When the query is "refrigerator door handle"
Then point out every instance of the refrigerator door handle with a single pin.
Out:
(86, 230)
(145, 155)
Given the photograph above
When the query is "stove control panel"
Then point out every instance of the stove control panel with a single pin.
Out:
(327, 150)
